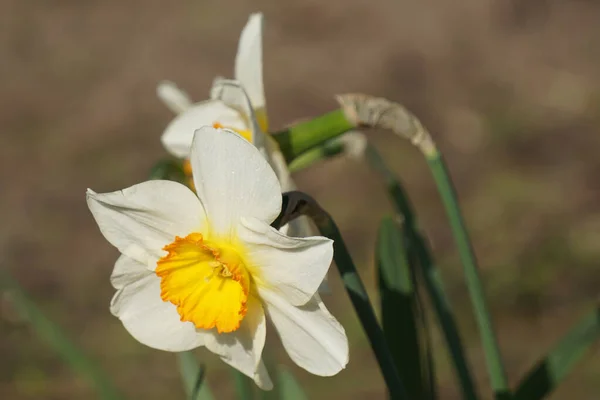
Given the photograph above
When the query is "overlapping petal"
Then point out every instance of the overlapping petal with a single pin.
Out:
(174, 98)
(292, 267)
(179, 134)
(146, 317)
(142, 219)
(243, 348)
(312, 337)
(232, 180)
(233, 94)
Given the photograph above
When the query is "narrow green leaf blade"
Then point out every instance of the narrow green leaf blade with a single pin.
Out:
(192, 374)
(289, 388)
(552, 369)
(52, 334)
(429, 274)
(168, 169)
(399, 307)
(244, 386)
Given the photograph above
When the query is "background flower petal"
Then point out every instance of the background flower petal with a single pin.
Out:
(142, 219)
(174, 98)
(179, 134)
(248, 61)
(233, 94)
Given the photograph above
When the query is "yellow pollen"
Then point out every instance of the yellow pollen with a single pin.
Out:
(207, 281)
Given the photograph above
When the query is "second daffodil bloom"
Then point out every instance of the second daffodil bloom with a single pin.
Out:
(237, 104)
(205, 268)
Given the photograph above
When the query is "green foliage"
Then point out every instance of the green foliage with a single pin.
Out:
(401, 314)
(289, 388)
(554, 367)
(415, 245)
(192, 375)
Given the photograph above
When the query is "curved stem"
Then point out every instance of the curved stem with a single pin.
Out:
(429, 273)
(471, 270)
(298, 203)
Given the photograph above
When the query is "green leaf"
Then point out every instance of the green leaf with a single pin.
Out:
(169, 169)
(192, 374)
(402, 318)
(298, 203)
(244, 386)
(52, 334)
(552, 369)
(429, 274)
(289, 388)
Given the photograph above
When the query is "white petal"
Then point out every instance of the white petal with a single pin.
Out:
(233, 94)
(232, 180)
(179, 134)
(147, 318)
(242, 349)
(142, 219)
(279, 165)
(174, 98)
(312, 337)
(248, 61)
(293, 267)
(127, 271)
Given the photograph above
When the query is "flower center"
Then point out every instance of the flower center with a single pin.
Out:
(207, 281)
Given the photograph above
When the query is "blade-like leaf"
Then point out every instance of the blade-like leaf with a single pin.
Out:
(192, 374)
(429, 274)
(553, 368)
(289, 388)
(168, 169)
(244, 386)
(295, 204)
(400, 312)
(52, 334)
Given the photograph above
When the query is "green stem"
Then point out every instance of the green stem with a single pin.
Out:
(469, 262)
(307, 135)
(296, 204)
(321, 152)
(360, 300)
(431, 277)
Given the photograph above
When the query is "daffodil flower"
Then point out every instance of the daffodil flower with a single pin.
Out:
(234, 104)
(205, 268)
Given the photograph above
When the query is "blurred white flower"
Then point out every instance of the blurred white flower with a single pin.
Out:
(234, 104)
(204, 269)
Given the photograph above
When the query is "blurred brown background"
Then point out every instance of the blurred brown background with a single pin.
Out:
(510, 90)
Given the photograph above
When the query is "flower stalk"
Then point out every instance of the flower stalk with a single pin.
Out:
(296, 204)
(381, 113)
